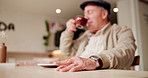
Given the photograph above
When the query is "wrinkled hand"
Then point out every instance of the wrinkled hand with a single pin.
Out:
(71, 26)
(76, 64)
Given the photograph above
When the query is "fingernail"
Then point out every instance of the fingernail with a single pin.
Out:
(61, 70)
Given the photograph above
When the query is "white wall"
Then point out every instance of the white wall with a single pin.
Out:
(29, 30)
(143, 11)
(124, 16)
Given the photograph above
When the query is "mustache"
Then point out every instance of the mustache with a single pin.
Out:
(89, 22)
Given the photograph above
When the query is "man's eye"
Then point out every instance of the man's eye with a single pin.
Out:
(89, 12)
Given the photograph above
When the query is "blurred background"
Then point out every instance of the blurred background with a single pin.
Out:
(32, 26)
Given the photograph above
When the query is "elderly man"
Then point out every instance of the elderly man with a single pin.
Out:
(102, 46)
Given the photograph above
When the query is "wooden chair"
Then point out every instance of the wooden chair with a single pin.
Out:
(135, 62)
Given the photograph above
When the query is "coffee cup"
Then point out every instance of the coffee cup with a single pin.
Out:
(80, 22)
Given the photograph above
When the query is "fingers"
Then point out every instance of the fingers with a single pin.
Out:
(76, 68)
(70, 68)
(65, 68)
(72, 65)
(60, 67)
(65, 62)
(71, 25)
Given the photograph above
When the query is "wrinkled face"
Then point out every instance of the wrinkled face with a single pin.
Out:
(94, 15)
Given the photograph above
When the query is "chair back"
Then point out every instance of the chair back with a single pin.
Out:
(136, 61)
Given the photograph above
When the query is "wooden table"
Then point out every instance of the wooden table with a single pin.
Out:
(9, 70)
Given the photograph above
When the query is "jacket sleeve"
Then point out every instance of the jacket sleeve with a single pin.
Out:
(68, 46)
(122, 54)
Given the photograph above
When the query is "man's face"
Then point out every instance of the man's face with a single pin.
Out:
(94, 15)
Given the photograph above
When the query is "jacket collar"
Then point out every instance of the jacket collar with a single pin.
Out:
(102, 31)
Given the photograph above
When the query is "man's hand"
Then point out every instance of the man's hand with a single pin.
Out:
(71, 26)
(76, 64)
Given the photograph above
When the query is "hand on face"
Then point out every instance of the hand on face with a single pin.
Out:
(76, 64)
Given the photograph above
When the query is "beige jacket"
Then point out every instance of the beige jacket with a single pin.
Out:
(120, 46)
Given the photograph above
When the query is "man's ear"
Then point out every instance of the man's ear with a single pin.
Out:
(104, 14)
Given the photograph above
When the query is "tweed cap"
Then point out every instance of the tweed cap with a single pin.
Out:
(101, 3)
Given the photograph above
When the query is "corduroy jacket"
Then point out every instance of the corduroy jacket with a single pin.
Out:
(119, 51)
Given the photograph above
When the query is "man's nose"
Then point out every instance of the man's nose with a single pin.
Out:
(85, 16)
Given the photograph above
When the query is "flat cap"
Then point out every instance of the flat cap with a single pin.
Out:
(101, 3)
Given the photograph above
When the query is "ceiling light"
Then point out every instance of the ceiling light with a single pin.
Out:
(58, 11)
(115, 9)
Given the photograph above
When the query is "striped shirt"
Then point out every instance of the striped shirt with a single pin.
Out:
(95, 44)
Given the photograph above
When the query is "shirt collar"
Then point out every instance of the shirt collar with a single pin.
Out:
(99, 31)
(104, 27)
